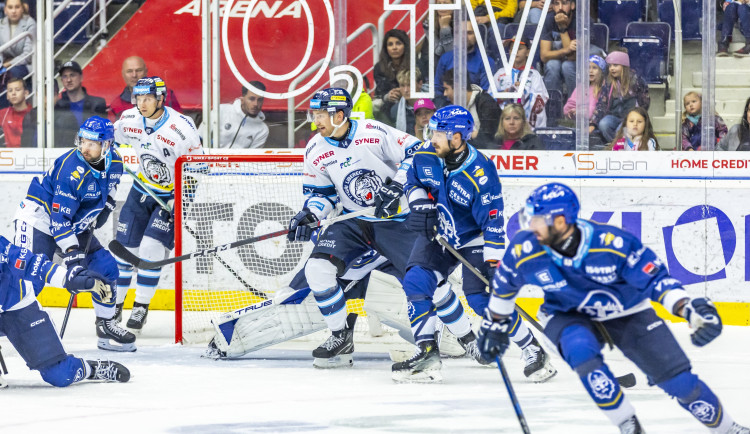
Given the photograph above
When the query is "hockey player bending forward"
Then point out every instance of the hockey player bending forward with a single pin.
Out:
(62, 208)
(159, 135)
(454, 192)
(599, 274)
(348, 161)
(30, 330)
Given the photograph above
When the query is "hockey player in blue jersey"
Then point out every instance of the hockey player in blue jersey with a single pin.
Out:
(598, 281)
(454, 192)
(347, 162)
(62, 208)
(30, 330)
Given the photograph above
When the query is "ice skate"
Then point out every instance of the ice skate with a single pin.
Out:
(138, 317)
(423, 367)
(109, 330)
(469, 343)
(738, 429)
(447, 342)
(537, 366)
(631, 426)
(336, 351)
(213, 352)
(108, 371)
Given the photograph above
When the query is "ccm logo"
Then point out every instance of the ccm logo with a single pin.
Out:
(36, 323)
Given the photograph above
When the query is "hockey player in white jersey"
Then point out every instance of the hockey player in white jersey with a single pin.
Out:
(348, 161)
(159, 135)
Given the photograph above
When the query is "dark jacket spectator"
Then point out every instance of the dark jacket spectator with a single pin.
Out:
(738, 137)
(483, 107)
(133, 69)
(74, 106)
(394, 57)
(514, 132)
(474, 64)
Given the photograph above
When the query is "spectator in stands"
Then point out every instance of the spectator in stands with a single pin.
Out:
(243, 122)
(133, 69)
(474, 64)
(636, 133)
(401, 114)
(394, 57)
(513, 131)
(597, 69)
(622, 91)
(423, 111)
(557, 46)
(734, 11)
(535, 94)
(691, 123)
(738, 137)
(482, 106)
(29, 136)
(442, 35)
(74, 106)
(17, 58)
(535, 11)
(11, 118)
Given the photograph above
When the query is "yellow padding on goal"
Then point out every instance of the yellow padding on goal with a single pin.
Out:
(731, 313)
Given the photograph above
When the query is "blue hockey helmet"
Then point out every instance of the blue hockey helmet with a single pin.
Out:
(332, 99)
(100, 130)
(149, 86)
(451, 119)
(550, 201)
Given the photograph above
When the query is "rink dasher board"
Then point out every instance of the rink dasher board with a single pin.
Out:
(688, 207)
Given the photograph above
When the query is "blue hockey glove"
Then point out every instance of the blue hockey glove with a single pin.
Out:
(387, 199)
(493, 335)
(79, 280)
(298, 226)
(423, 217)
(101, 219)
(74, 258)
(704, 319)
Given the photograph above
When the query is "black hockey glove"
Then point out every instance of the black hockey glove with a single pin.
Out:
(493, 336)
(488, 269)
(704, 319)
(423, 217)
(387, 199)
(298, 226)
(74, 258)
(101, 219)
(79, 279)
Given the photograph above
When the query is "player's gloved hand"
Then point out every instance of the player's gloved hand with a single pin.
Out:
(704, 319)
(488, 269)
(79, 279)
(298, 226)
(74, 258)
(387, 199)
(101, 219)
(423, 217)
(493, 335)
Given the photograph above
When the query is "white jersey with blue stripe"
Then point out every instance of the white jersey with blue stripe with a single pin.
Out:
(352, 170)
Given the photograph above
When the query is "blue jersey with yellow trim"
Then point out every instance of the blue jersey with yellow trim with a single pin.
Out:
(611, 275)
(22, 273)
(469, 199)
(72, 194)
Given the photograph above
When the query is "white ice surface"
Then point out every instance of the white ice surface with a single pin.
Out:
(173, 390)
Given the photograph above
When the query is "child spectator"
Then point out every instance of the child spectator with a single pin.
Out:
(423, 111)
(11, 118)
(636, 133)
(394, 57)
(400, 113)
(691, 123)
(738, 137)
(482, 106)
(735, 10)
(535, 94)
(597, 68)
(514, 133)
(622, 91)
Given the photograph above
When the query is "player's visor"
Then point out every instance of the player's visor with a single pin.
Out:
(526, 216)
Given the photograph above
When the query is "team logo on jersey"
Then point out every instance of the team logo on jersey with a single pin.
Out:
(447, 225)
(601, 385)
(478, 171)
(703, 411)
(600, 304)
(361, 186)
(74, 176)
(155, 170)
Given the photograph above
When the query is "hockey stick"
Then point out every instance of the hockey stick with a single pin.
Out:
(3, 371)
(127, 256)
(513, 397)
(192, 233)
(73, 296)
(627, 380)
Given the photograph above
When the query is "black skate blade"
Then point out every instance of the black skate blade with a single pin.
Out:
(627, 380)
